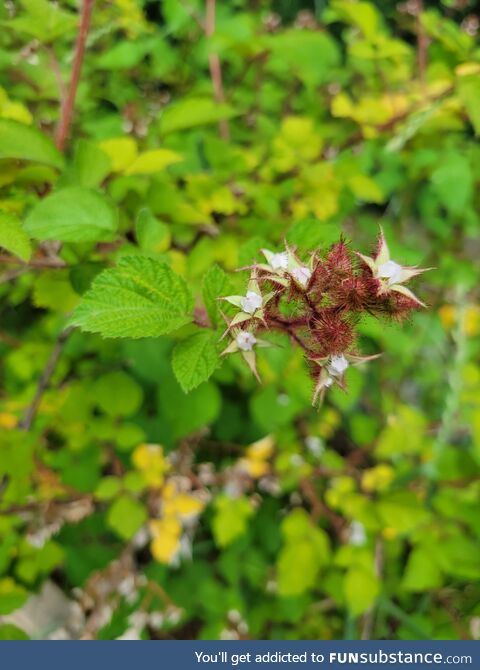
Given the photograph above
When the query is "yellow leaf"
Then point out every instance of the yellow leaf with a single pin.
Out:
(389, 533)
(447, 316)
(366, 188)
(466, 69)
(153, 161)
(8, 421)
(254, 468)
(471, 324)
(183, 505)
(149, 459)
(261, 449)
(122, 152)
(378, 478)
(166, 535)
(342, 106)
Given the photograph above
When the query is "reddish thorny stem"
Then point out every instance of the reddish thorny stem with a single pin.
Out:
(319, 305)
(68, 103)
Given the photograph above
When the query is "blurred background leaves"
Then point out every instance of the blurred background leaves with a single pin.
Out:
(246, 513)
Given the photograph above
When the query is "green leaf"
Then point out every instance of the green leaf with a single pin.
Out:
(305, 551)
(12, 595)
(24, 143)
(13, 238)
(91, 164)
(195, 359)
(153, 161)
(215, 284)
(182, 414)
(422, 573)
(230, 520)
(139, 298)
(153, 236)
(43, 20)
(453, 182)
(108, 487)
(193, 112)
(361, 588)
(117, 394)
(126, 516)
(53, 290)
(10, 632)
(469, 92)
(365, 188)
(73, 214)
(364, 15)
(310, 55)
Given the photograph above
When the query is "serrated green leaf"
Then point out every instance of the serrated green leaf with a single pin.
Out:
(215, 285)
(139, 298)
(73, 214)
(195, 359)
(13, 238)
(27, 144)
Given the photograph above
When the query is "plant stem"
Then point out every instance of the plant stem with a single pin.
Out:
(68, 104)
(34, 263)
(216, 68)
(44, 380)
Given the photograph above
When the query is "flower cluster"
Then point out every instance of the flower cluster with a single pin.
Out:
(319, 304)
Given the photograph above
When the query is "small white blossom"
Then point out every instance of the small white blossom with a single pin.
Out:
(279, 261)
(251, 302)
(337, 365)
(302, 274)
(391, 271)
(245, 340)
(357, 536)
(314, 444)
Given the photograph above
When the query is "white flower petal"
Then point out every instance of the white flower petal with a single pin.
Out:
(245, 340)
(337, 365)
(391, 271)
(302, 274)
(279, 261)
(251, 302)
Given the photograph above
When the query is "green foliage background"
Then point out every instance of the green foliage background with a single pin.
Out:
(357, 520)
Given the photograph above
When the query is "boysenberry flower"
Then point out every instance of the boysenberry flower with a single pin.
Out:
(337, 365)
(332, 371)
(251, 305)
(276, 261)
(251, 302)
(244, 341)
(391, 274)
(302, 274)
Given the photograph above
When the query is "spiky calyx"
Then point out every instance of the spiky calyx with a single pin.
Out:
(319, 304)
